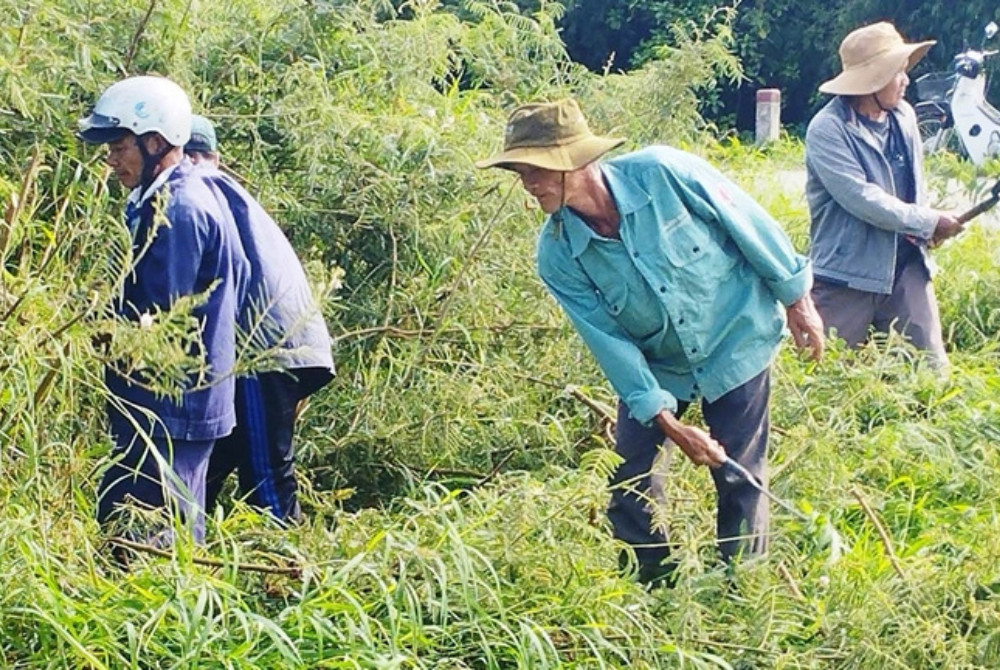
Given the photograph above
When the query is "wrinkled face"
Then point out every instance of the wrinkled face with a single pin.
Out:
(892, 93)
(126, 160)
(546, 186)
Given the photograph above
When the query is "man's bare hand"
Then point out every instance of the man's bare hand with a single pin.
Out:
(947, 227)
(806, 326)
(696, 444)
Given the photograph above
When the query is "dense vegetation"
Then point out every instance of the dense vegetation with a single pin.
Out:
(785, 44)
(455, 471)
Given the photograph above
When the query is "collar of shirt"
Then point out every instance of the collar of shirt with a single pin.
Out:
(628, 196)
(137, 197)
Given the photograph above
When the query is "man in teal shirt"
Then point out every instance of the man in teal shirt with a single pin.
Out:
(680, 285)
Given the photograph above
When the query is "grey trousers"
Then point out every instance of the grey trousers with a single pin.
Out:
(910, 310)
(739, 422)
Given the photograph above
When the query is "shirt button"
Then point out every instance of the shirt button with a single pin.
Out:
(694, 396)
(695, 387)
(699, 371)
(663, 289)
(635, 254)
(680, 321)
(694, 350)
(696, 249)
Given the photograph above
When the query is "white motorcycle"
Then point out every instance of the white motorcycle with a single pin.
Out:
(953, 113)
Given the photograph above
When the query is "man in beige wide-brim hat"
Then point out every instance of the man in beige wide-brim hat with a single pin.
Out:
(679, 284)
(871, 57)
(870, 222)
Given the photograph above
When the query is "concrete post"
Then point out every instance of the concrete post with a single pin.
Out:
(768, 115)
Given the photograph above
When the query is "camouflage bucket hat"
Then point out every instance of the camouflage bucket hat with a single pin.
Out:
(550, 135)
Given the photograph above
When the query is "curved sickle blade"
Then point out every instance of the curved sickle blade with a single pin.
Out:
(732, 466)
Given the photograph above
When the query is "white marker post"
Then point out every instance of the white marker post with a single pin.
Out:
(768, 115)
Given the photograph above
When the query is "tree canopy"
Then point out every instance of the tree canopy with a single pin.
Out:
(786, 44)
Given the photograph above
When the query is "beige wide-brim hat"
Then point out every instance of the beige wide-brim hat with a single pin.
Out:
(871, 56)
(550, 135)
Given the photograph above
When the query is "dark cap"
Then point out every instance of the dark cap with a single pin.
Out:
(202, 136)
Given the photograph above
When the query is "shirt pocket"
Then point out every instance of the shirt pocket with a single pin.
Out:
(639, 320)
(701, 255)
(685, 242)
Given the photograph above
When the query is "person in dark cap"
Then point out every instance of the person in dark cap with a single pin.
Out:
(203, 147)
(679, 284)
(870, 221)
(286, 335)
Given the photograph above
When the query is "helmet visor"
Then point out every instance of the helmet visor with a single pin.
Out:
(100, 129)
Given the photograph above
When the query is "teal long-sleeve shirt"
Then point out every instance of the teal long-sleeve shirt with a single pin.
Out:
(688, 303)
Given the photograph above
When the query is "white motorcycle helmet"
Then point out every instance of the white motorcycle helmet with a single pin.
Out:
(139, 105)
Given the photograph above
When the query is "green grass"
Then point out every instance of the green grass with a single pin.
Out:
(454, 481)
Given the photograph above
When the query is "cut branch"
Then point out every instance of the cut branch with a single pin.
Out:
(793, 587)
(291, 571)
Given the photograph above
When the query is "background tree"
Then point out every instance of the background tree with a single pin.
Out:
(784, 44)
(465, 407)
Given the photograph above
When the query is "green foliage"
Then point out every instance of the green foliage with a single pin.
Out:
(781, 44)
(454, 479)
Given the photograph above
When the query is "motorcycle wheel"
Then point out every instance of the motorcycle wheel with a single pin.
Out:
(937, 135)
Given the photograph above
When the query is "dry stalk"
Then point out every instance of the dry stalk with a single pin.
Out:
(18, 203)
(792, 585)
(137, 37)
(603, 411)
(605, 415)
(886, 541)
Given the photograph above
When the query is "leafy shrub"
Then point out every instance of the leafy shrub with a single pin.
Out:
(454, 481)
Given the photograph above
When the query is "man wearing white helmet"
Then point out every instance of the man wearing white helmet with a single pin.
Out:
(145, 121)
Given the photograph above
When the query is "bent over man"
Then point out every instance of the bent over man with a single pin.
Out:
(679, 285)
